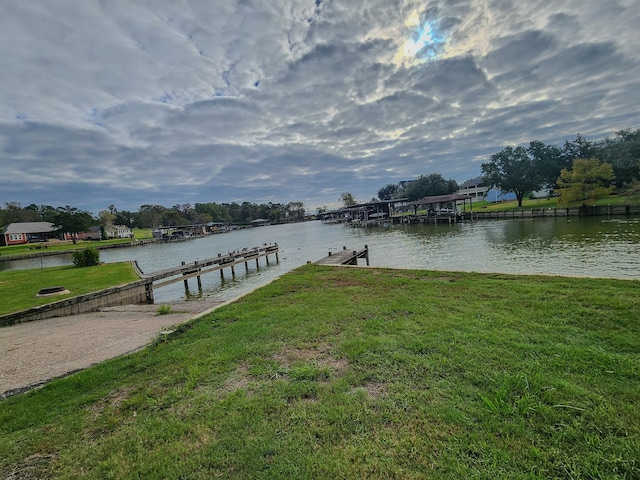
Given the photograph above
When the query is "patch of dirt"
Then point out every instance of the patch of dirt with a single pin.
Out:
(321, 356)
(375, 390)
(239, 379)
(31, 468)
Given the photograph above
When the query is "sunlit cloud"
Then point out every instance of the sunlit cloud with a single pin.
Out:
(424, 41)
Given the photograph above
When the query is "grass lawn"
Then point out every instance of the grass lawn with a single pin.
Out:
(18, 288)
(358, 373)
(34, 249)
(546, 203)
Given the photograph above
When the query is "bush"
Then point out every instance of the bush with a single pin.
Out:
(163, 309)
(88, 257)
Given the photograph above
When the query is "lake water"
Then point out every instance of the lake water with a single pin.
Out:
(593, 247)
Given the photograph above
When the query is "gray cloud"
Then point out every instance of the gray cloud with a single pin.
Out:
(130, 102)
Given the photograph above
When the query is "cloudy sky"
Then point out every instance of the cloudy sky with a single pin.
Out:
(128, 102)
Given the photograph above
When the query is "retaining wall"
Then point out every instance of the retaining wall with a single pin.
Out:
(131, 293)
(583, 211)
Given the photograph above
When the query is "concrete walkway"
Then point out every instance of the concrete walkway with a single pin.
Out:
(33, 353)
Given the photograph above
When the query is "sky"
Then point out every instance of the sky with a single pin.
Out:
(132, 102)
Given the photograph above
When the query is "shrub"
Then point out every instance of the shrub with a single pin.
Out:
(163, 309)
(86, 258)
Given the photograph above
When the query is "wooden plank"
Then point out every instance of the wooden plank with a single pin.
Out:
(345, 257)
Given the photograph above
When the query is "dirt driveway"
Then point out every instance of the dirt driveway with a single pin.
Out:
(33, 353)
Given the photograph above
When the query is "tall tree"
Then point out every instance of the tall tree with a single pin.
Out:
(386, 192)
(296, 210)
(106, 217)
(73, 221)
(426, 186)
(587, 180)
(548, 161)
(124, 217)
(623, 153)
(347, 199)
(15, 213)
(580, 147)
(512, 170)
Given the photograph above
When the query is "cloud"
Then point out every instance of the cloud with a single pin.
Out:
(130, 102)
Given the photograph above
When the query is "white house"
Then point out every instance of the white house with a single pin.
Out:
(475, 189)
(118, 231)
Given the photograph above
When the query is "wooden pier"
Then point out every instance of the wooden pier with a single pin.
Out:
(345, 257)
(198, 268)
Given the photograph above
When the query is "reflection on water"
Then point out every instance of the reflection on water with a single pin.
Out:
(596, 247)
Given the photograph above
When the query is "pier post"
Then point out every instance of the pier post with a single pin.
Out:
(233, 271)
(186, 282)
(366, 254)
(257, 263)
(195, 264)
(148, 291)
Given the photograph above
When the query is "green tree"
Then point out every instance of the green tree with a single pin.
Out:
(426, 186)
(15, 213)
(548, 161)
(296, 210)
(387, 192)
(347, 199)
(580, 147)
(587, 180)
(106, 218)
(124, 217)
(73, 221)
(512, 170)
(150, 216)
(623, 153)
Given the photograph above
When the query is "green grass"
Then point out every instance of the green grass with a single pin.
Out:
(528, 203)
(142, 233)
(18, 288)
(358, 373)
(34, 249)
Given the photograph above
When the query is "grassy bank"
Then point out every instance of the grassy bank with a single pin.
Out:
(552, 202)
(358, 373)
(67, 245)
(18, 288)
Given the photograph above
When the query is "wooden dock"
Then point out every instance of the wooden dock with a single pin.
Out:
(198, 268)
(345, 257)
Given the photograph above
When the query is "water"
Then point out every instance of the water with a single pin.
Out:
(593, 247)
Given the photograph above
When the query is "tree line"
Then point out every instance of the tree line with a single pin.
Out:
(72, 220)
(578, 170)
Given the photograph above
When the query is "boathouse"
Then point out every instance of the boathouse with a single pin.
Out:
(364, 214)
(443, 205)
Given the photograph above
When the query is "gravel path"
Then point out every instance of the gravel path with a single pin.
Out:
(33, 353)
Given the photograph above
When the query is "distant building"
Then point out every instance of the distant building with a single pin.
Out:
(118, 231)
(28, 232)
(260, 222)
(497, 195)
(93, 233)
(475, 189)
